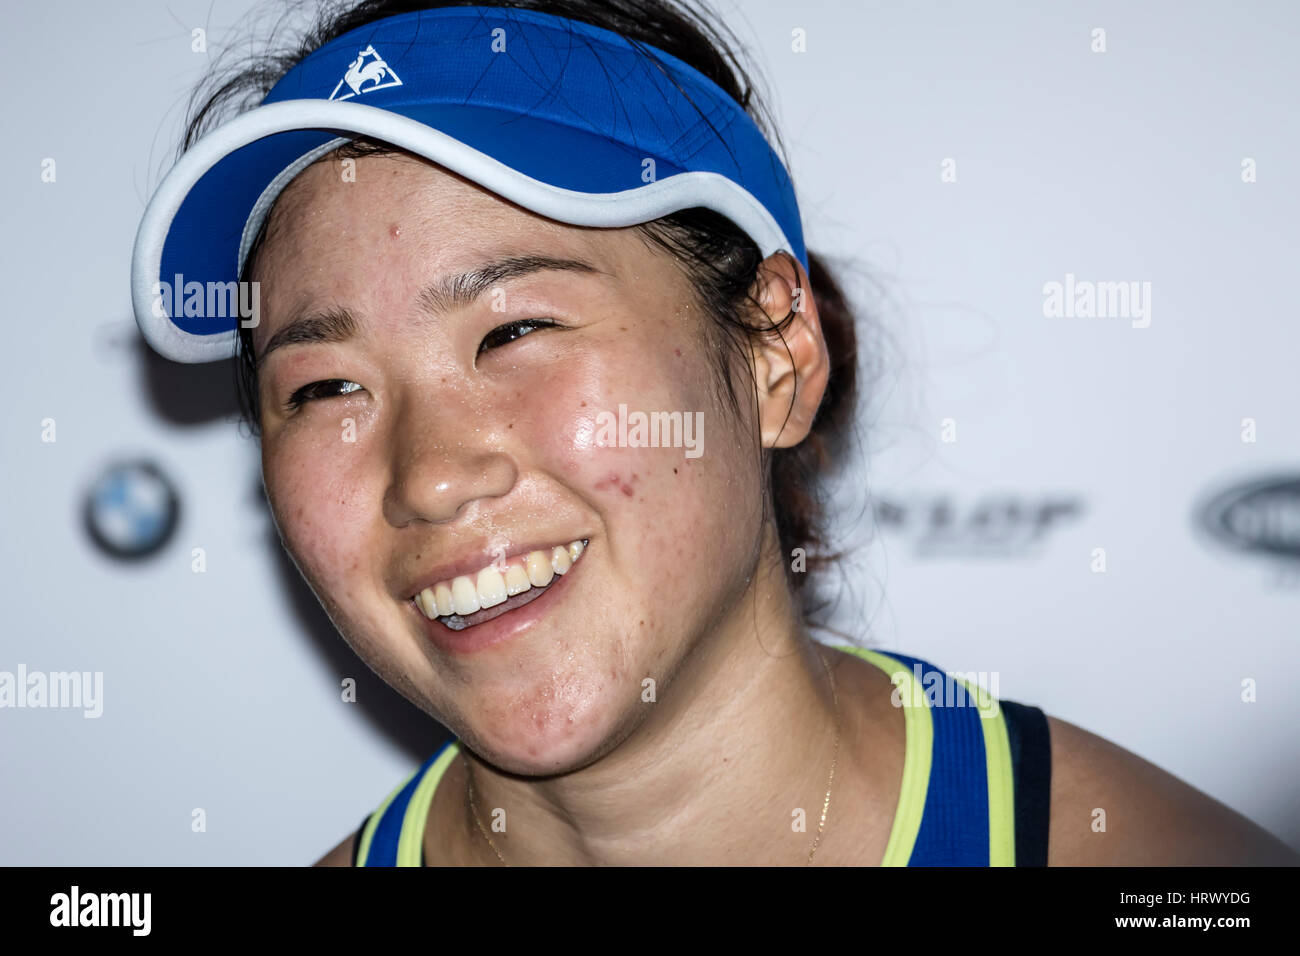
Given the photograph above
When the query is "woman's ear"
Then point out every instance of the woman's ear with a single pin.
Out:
(792, 367)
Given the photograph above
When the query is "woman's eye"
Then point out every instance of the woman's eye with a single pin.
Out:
(327, 388)
(505, 334)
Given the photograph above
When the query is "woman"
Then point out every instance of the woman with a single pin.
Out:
(488, 248)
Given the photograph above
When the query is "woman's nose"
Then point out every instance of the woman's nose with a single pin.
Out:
(443, 457)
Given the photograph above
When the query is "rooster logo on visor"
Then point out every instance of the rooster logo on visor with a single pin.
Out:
(366, 77)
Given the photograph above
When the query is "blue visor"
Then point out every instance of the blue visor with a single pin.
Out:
(570, 121)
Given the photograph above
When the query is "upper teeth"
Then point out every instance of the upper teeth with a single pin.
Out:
(467, 593)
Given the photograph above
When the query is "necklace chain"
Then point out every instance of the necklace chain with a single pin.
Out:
(826, 804)
(469, 775)
(835, 756)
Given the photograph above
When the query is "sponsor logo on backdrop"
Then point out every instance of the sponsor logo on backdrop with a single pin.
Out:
(131, 509)
(996, 525)
(1259, 516)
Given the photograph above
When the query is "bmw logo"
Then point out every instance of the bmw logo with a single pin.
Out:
(131, 510)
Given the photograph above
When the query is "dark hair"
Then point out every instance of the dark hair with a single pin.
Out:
(720, 261)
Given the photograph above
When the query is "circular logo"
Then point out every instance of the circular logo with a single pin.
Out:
(1262, 516)
(132, 510)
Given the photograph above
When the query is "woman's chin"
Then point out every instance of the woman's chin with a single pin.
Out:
(544, 744)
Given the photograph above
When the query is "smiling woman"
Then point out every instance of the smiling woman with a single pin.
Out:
(478, 234)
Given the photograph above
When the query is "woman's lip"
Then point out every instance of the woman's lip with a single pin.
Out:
(504, 626)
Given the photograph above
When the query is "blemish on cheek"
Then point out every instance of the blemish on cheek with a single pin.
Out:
(394, 230)
(677, 352)
(612, 480)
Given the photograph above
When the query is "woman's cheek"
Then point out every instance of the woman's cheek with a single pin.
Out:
(652, 504)
(320, 502)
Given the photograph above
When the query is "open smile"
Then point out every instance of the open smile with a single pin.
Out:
(471, 600)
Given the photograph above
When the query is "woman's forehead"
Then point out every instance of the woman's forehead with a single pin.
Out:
(392, 215)
(370, 194)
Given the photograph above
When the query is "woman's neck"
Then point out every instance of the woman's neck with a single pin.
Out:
(713, 771)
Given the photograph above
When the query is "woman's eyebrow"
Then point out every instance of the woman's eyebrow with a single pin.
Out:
(447, 293)
(331, 325)
(457, 291)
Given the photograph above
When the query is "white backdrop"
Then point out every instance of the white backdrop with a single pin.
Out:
(221, 689)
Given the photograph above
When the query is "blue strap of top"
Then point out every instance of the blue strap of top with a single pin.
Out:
(955, 823)
(383, 845)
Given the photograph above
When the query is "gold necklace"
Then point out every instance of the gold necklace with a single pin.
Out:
(835, 754)
(469, 776)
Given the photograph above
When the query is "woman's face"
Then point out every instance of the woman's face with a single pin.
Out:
(448, 448)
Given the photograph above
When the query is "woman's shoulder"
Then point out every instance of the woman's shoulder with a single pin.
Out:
(393, 833)
(1110, 807)
(342, 854)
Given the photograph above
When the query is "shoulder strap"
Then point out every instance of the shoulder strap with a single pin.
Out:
(955, 826)
(392, 834)
(956, 803)
(1031, 758)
